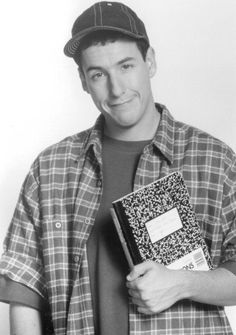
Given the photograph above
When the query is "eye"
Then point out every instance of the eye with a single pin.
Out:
(97, 75)
(127, 66)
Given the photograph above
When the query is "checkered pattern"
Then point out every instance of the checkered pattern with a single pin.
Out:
(45, 248)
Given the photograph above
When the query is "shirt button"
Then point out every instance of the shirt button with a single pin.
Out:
(87, 220)
(76, 258)
(99, 183)
(58, 225)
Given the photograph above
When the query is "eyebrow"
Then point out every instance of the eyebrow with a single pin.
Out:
(122, 61)
(126, 59)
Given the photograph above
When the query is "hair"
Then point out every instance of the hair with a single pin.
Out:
(105, 36)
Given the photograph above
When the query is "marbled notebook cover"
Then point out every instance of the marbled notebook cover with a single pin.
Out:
(158, 223)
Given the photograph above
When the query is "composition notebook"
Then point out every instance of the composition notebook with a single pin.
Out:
(157, 222)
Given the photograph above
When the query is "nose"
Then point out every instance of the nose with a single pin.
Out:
(116, 86)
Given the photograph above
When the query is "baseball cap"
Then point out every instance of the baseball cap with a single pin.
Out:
(104, 15)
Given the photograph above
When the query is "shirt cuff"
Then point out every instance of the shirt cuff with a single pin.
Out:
(11, 291)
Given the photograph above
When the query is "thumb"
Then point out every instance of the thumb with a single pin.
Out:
(139, 270)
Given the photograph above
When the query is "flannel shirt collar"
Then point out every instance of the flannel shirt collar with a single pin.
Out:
(94, 138)
(163, 139)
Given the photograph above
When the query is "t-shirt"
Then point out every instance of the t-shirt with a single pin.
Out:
(107, 263)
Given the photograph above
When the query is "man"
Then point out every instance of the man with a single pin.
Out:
(62, 256)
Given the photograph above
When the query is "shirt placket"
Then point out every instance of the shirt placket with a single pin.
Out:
(80, 314)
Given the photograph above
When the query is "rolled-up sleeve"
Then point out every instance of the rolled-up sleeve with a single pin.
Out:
(13, 292)
(22, 258)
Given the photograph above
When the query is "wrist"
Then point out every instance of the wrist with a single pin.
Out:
(186, 284)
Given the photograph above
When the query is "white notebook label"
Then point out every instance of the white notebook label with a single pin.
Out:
(164, 225)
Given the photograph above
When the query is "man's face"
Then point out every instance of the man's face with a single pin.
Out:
(118, 80)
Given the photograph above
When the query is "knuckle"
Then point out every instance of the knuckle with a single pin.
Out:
(130, 292)
(144, 296)
(140, 286)
(151, 305)
(154, 309)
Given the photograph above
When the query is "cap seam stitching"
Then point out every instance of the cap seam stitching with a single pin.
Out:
(125, 12)
(100, 9)
(134, 23)
(95, 16)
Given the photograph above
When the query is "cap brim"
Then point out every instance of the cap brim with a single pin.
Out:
(72, 45)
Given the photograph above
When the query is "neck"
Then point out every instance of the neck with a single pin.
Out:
(140, 132)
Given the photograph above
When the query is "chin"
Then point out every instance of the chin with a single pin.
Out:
(126, 123)
(127, 117)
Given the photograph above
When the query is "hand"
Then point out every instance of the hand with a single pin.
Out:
(153, 287)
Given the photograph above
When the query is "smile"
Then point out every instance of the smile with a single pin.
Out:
(121, 103)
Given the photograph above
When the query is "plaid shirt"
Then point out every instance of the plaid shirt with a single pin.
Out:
(45, 248)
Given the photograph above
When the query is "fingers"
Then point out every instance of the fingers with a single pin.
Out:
(137, 279)
(140, 294)
(148, 288)
(139, 270)
(138, 302)
(149, 305)
(146, 307)
(134, 293)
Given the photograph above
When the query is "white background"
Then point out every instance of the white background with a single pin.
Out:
(41, 96)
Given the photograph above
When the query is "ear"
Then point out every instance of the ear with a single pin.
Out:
(151, 62)
(83, 80)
